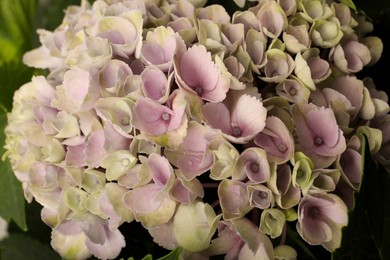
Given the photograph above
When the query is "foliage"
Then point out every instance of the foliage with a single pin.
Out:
(367, 235)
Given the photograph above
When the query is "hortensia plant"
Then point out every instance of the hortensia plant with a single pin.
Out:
(218, 133)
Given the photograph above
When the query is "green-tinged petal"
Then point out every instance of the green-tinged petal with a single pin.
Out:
(194, 225)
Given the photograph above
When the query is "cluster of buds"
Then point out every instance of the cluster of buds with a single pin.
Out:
(214, 132)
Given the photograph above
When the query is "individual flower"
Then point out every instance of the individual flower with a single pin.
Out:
(314, 10)
(185, 191)
(157, 119)
(280, 183)
(319, 136)
(260, 196)
(78, 92)
(272, 19)
(160, 47)
(225, 155)
(210, 36)
(302, 171)
(296, 38)
(155, 84)
(292, 90)
(241, 239)
(276, 140)
(184, 28)
(350, 56)
(193, 157)
(319, 68)
(157, 208)
(353, 89)
(375, 46)
(239, 120)
(278, 67)
(326, 33)
(197, 73)
(256, 45)
(322, 180)
(252, 164)
(288, 6)
(321, 218)
(194, 225)
(48, 55)
(272, 222)
(123, 31)
(113, 76)
(248, 19)
(344, 15)
(233, 198)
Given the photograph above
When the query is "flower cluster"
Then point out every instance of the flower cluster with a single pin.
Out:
(214, 132)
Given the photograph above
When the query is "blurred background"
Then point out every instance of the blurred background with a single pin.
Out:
(29, 237)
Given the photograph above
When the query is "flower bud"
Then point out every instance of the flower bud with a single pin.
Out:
(194, 225)
(272, 222)
(326, 33)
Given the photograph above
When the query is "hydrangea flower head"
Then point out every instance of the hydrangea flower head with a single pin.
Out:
(217, 132)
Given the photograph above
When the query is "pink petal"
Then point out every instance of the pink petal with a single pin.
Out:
(150, 116)
(197, 69)
(154, 83)
(322, 123)
(218, 116)
(112, 246)
(137, 201)
(249, 115)
(160, 168)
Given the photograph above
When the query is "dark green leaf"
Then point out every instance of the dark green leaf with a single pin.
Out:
(173, 255)
(367, 235)
(349, 3)
(16, 18)
(11, 192)
(32, 249)
(148, 257)
(375, 9)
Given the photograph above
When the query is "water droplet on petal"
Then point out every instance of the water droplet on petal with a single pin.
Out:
(165, 116)
(125, 121)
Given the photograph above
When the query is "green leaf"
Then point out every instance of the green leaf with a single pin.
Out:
(367, 235)
(349, 3)
(173, 255)
(32, 249)
(17, 19)
(11, 192)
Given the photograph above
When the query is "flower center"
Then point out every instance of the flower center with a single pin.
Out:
(165, 116)
(125, 162)
(314, 212)
(318, 141)
(198, 90)
(236, 131)
(282, 148)
(125, 121)
(254, 167)
(299, 173)
(263, 194)
(292, 91)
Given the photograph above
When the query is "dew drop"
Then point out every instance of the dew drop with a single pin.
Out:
(165, 116)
